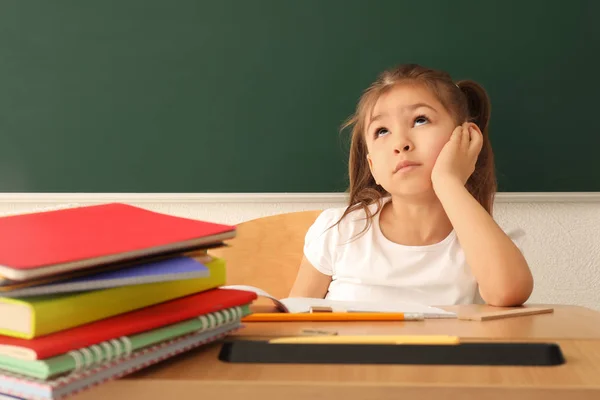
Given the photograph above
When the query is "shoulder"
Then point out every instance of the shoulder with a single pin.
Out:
(326, 226)
(329, 230)
(332, 223)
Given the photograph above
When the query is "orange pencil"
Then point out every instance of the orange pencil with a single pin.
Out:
(332, 316)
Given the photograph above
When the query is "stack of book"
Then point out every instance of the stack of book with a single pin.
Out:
(93, 293)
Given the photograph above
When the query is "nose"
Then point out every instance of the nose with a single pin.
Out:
(403, 144)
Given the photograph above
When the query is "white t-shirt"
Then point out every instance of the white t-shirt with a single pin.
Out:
(370, 267)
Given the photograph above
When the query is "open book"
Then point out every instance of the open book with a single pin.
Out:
(303, 304)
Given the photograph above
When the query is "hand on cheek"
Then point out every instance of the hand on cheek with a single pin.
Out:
(456, 161)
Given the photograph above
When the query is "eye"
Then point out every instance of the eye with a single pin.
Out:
(420, 120)
(381, 132)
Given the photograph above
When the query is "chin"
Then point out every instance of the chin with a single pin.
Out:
(412, 189)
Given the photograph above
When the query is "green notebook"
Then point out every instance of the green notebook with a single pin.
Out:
(121, 347)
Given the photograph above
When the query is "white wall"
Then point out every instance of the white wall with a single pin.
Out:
(563, 245)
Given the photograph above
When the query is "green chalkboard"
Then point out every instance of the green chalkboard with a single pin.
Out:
(248, 95)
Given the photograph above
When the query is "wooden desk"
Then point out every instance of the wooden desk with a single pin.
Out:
(200, 375)
(566, 322)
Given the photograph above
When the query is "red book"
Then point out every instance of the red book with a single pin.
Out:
(125, 324)
(54, 242)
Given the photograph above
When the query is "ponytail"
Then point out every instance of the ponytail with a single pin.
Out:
(482, 184)
(478, 103)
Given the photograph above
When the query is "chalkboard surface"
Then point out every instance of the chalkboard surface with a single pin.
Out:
(248, 96)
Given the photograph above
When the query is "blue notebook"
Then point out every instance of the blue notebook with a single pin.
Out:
(176, 268)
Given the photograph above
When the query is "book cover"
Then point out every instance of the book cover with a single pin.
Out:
(51, 242)
(130, 323)
(199, 254)
(170, 269)
(31, 317)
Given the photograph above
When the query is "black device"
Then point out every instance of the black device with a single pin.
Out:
(521, 354)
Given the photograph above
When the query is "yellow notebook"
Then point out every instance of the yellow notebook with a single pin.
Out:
(37, 316)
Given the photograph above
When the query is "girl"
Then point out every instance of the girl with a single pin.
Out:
(418, 227)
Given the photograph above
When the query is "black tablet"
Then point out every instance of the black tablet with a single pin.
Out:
(528, 354)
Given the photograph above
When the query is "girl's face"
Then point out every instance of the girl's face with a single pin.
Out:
(405, 133)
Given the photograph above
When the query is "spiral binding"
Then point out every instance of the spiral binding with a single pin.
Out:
(114, 349)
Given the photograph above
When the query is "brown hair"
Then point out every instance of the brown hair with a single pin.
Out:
(465, 100)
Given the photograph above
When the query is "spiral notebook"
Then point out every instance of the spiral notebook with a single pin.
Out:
(36, 389)
(127, 324)
(119, 347)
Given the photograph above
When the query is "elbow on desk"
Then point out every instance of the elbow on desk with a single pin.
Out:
(510, 295)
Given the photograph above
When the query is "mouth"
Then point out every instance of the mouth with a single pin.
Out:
(406, 166)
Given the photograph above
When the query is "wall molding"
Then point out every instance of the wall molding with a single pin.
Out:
(561, 246)
(307, 198)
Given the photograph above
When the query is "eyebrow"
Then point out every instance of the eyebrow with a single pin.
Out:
(411, 107)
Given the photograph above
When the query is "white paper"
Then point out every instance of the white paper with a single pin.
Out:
(303, 304)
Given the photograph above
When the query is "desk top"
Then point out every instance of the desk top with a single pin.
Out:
(566, 322)
(200, 373)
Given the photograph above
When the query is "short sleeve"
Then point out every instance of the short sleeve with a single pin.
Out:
(319, 241)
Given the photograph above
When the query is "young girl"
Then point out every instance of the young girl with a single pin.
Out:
(418, 227)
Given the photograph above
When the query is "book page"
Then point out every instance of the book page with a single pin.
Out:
(280, 305)
(302, 305)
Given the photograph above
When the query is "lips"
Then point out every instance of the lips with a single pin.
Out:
(405, 164)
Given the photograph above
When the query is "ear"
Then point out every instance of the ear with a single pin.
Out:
(474, 126)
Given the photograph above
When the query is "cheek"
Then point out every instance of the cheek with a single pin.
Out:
(378, 164)
(437, 148)
(436, 145)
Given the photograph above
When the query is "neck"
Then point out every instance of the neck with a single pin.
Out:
(419, 218)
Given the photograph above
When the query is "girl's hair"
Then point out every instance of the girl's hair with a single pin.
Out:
(465, 100)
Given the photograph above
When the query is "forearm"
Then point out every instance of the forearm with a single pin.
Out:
(501, 270)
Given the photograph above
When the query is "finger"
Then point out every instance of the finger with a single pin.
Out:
(465, 138)
(455, 138)
(456, 134)
(476, 141)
